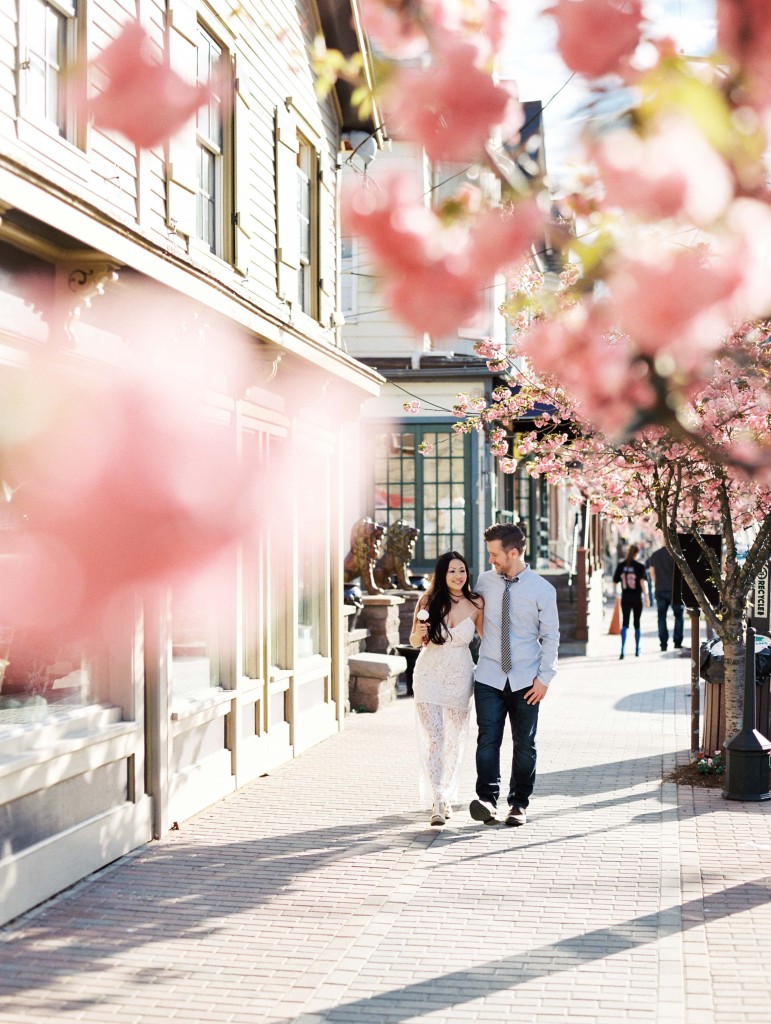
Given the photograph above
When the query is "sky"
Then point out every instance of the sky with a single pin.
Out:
(532, 62)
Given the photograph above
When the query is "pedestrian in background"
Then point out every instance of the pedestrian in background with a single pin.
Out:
(661, 567)
(633, 578)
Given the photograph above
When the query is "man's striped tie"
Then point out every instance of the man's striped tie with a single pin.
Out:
(505, 639)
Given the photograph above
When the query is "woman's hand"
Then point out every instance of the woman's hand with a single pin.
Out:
(419, 634)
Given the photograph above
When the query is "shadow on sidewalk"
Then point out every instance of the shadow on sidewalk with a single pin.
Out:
(464, 986)
(602, 777)
(176, 891)
(651, 702)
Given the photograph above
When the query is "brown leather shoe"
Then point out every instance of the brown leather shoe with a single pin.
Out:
(516, 816)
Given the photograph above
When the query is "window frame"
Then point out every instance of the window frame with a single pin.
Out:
(223, 247)
(349, 277)
(308, 266)
(388, 514)
(64, 149)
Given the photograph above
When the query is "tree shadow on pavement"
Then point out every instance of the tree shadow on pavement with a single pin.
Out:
(456, 988)
(651, 702)
(180, 890)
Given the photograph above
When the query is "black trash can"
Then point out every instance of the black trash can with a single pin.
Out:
(712, 671)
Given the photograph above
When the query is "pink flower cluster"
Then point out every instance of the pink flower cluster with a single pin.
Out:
(595, 36)
(452, 107)
(435, 274)
(143, 98)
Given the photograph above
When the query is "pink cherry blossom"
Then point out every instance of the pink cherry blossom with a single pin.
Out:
(596, 35)
(396, 29)
(660, 300)
(434, 275)
(674, 171)
(502, 235)
(143, 99)
(118, 483)
(452, 107)
(744, 34)
(571, 350)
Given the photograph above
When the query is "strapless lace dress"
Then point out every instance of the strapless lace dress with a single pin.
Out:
(443, 681)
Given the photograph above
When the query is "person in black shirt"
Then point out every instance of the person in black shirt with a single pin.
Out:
(662, 568)
(633, 578)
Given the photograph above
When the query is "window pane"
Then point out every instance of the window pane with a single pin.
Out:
(303, 213)
(39, 680)
(430, 549)
(195, 638)
(210, 214)
(46, 56)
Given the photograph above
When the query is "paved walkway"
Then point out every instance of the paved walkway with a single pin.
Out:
(318, 894)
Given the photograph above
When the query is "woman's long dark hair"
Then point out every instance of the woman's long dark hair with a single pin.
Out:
(439, 601)
(631, 554)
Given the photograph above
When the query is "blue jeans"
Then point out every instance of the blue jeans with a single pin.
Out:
(492, 708)
(663, 601)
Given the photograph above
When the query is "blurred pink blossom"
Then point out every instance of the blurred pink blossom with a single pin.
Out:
(452, 107)
(674, 302)
(744, 34)
(119, 483)
(144, 99)
(435, 274)
(596, 35)
(401, 30)
(576, 351)
(671, 172)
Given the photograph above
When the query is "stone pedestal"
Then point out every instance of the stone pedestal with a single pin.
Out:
(380, 616)
(355, 641)
(373, 680)
(407, 612)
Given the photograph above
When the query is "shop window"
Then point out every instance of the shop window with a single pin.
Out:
(196, 608)
(313, 567)
(41, 681)
(429, 491)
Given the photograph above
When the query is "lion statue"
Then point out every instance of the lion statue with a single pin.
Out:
(366, 542)
(399, 552)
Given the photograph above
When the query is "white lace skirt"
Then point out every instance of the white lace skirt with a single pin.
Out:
(441, 743)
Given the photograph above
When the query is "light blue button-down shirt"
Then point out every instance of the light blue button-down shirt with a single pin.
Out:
(533, 630)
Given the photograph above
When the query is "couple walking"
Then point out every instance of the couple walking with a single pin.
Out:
(514, 611)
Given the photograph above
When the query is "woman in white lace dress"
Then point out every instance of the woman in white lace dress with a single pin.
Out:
(443, 679)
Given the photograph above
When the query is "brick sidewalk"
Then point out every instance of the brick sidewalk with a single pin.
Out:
(297, 902)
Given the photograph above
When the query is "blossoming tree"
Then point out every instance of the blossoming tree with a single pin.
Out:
(671, 202)
(688, 478)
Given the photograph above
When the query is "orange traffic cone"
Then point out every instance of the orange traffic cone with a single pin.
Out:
(614, 628)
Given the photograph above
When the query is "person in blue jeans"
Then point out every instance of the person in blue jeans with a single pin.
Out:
(661, 568)
(517, 661)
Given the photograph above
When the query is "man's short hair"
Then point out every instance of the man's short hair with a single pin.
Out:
(508, 534)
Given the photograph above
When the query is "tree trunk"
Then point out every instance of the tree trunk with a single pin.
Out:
(733, 688)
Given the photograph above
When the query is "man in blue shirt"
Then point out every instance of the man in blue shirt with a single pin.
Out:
(517, 661)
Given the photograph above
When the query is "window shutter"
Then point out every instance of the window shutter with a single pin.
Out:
(287, 225)
(242, 139)
(181, 168)
(327, 244)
